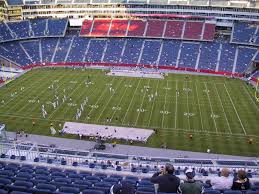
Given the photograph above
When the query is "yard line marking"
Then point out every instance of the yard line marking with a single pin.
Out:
(122, 97)
(100, 97)
(199, 105)
(50, 97)
(142, 103)
(83, 93)
(175, 120)
(25, 104)
(109, 100)
(165, 129)
(22, 80)
(223, 108)
(73, 91)
(188, 108)
(131, 101)
(47, 97)
(248, 93)
(164, 104)
(153, 103)
(35, 84)
(235, 110)
(211, 107)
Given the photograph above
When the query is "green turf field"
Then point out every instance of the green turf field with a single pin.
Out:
(221, 113)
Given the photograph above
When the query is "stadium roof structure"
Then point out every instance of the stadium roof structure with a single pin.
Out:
(216, 3)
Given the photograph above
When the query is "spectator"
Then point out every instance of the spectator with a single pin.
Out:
(190, 186)
(223, 182)
(166, 180)
(241, 182)
(122, 188)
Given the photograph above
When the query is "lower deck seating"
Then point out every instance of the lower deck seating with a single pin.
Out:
(212, 56)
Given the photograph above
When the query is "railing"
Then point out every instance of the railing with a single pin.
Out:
(83, 157)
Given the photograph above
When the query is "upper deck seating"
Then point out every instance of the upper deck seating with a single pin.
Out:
(174, 29)
(35, 28)
(150, 28)
(39, 27)
(57, 27)
(245, 33)
(155, 28)
(209, 31)
(20, 28)
(14, 2)
(119, 27)
(100, 27)
(5, 33)
(193, 30)
(136, 28)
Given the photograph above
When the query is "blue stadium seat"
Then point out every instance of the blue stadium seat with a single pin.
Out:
(103, 184)
(19, 192)
(146, 189)
(5, 181)
(165, 193)
(232, 192)
(145, 183)
(49, 161)
(144, 192)
(23, 158)
(118, 168)
(69, 190)
(41, 172)
(255, 187)
(6, 173)
(133, 169)
(2, 191)
(91, 191)
(118, 177)
(93, 179)
(46, 187)
(26, 170)
(212, 191)
(111, 180)
(58, 174)
(74, 177)
(11, 167)
(55, 170)
(252, 192)
(63, 162)
(75, 164)
(101, 175)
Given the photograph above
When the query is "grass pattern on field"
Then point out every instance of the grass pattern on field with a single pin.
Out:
(221, 113)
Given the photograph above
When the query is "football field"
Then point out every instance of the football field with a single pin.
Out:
(220, 113)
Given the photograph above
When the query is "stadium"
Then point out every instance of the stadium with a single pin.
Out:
(96, 94)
